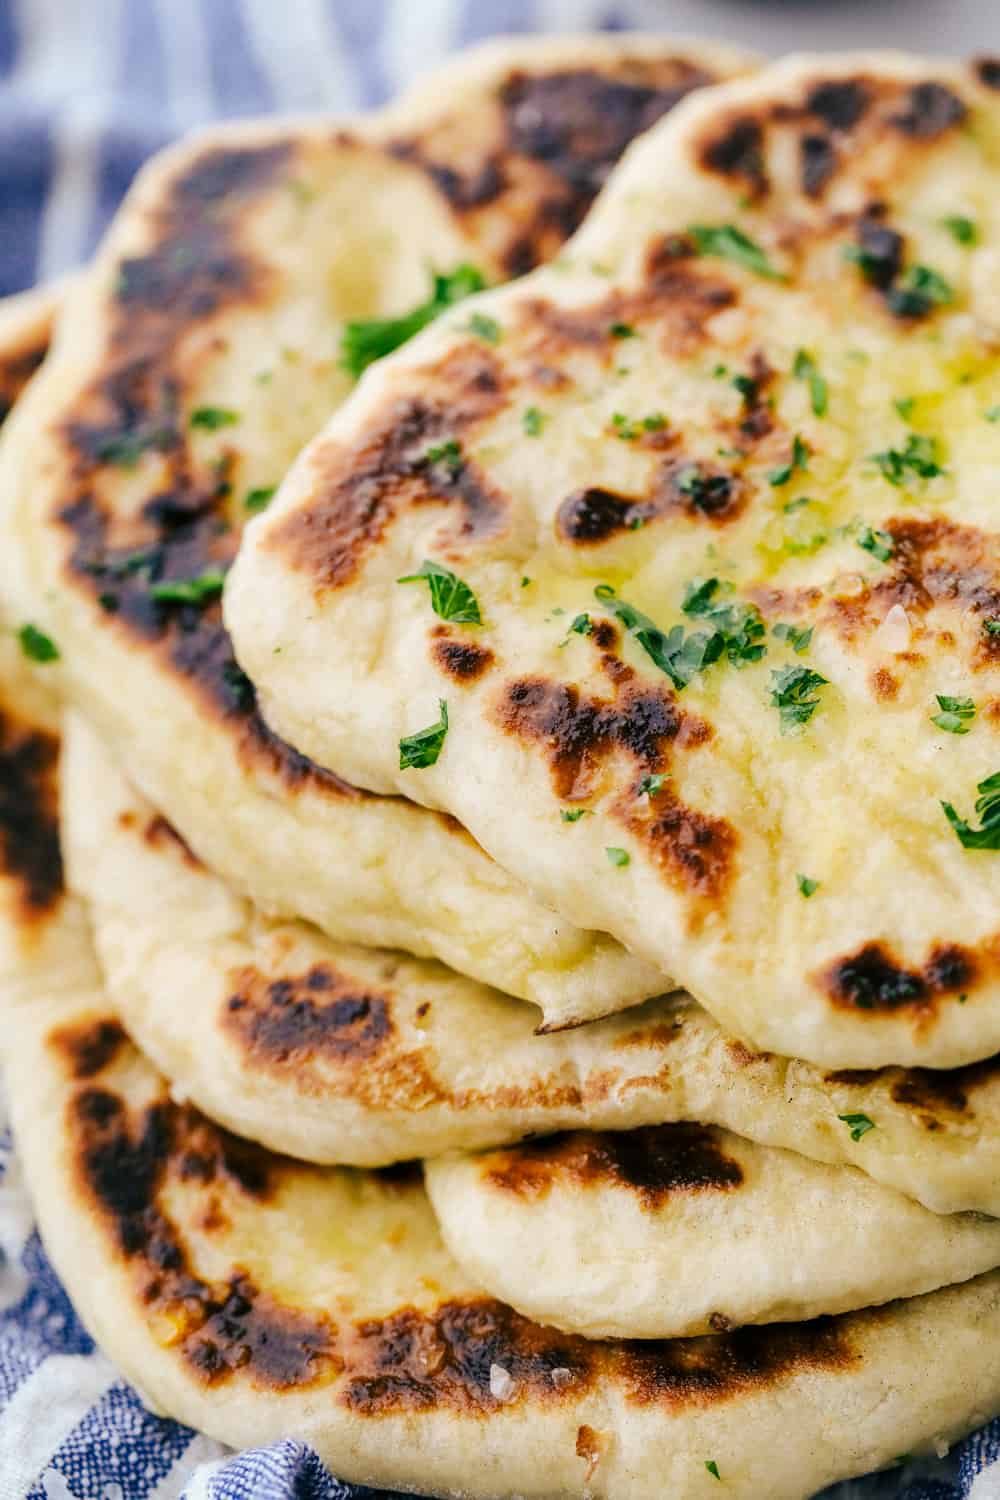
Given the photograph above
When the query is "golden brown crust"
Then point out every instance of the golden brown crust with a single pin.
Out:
(29, 815)
(552, 137)
(655, 1162)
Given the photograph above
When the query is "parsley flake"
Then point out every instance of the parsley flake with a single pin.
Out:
(125, 449)
(650, 785)
(713, 1469)
(956, 714)
(992, 414)
(417, 751)
(261, 498)
(727, 242)
(618, 857)
(197, 591)
(573, 814)
(919, 457)
(36, 645)
(798, 639)
(211, 418)
(582, 625)
(987, 835)
(798, 460)
(879, 543)
(485, 328)
(532, 421)
(806, 886)
(961, 229)
(992, 627)
(451, 598)
(679, 655)
(449, 454)
(239, 687)
(362, 343)
(739, 625)
(805, 368)
(917, 291)
(904, 405)
(858, 1125)
(792, 690)
(707, 492)
(622, 331)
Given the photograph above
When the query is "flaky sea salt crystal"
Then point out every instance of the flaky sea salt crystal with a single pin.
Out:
(561, 1377)
(894, 632)
(501, 1383)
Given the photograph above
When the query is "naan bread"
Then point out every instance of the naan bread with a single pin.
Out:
(26, 323)
(761, 383)
(339, 1054)
(41, 929)
(192, 362)
(257, 1298)
(684, 1229)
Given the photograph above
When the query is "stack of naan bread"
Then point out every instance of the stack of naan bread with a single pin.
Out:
(521, 1010)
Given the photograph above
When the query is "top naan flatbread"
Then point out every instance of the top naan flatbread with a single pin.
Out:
(723, 489)
(192, 362)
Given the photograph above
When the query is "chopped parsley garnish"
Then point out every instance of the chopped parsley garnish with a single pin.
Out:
(916, 291)
(858, 1125)
(992, 414)
(876, 264)
(792, 693)
(799, 640)
(239, 687)
(197, 591)
(363, 343)
(805, 368)
(573, 814)
(628, 430)
(713, 1468)
(739, 626)
(261, 498)
(798, 460)
(747, 387)
(904, 405)
(449, 454)
(727, 242)
(956, 714)
(961, 229)
(879, 543)
(987, 835)
(707, 492)
(650, 785)
(36, 645)
(485, 328)
(992, 627)
(532, 420)
(806, 886)
(451, 599)
(618, 857)
(211, 418)
(679, 655)
(125, 449)
(919, 457)
(582, 625)
(417, 751)
(622, 331)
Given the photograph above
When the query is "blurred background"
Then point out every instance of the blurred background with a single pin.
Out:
(88, 88)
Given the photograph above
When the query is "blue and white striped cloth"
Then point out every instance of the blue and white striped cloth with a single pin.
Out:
(88, 89)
